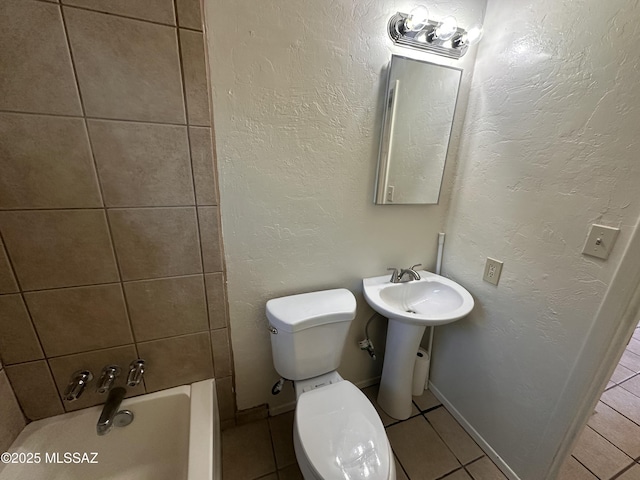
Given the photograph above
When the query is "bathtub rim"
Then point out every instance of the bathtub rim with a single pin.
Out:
(204, 433)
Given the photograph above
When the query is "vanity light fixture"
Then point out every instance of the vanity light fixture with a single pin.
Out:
(444, 37)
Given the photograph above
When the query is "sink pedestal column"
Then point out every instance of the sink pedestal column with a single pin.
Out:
(403, 341)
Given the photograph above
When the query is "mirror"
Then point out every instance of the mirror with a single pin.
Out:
(420, 103)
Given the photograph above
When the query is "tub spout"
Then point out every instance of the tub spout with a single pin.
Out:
(111, 407)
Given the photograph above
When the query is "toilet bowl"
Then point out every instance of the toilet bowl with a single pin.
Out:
(337, 431)
(338, 434)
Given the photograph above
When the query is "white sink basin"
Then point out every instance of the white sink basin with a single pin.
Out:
(432, 300)
(411, 307)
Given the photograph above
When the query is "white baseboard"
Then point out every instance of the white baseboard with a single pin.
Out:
(484, 445)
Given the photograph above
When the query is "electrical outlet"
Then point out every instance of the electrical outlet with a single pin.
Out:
(492, 270)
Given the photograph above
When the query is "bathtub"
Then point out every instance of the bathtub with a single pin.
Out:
(175, 435)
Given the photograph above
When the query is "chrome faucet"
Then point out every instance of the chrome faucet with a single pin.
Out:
(77, 384)
(110, 409)
(136, 371)
(396, 277)
(109, 375)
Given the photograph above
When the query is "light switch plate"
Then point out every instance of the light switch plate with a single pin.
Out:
(600, 241)
(492, 270)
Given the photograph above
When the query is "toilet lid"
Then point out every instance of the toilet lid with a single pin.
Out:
(342, 434)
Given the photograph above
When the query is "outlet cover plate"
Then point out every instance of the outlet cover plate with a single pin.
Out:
(600, 241)
(492, 271)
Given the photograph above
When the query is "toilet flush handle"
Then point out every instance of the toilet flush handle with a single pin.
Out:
(273, 329)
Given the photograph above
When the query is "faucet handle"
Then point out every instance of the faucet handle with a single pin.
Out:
(394, 276)
(136, 370)
(109, 375)
(77, 384)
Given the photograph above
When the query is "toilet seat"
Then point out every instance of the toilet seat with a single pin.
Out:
(341, 435)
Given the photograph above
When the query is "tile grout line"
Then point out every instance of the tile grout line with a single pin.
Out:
(105, 119)
(609, 441)
(35, 331)
(585, 467)
(101, 190)
(623, 471)
(106, 208)
(193, 180)
(120, 15)
(137, 280)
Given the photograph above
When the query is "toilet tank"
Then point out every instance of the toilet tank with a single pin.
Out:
(309, 331)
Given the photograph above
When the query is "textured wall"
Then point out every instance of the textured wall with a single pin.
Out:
(297, 92)
(109, 239)
(550, 146)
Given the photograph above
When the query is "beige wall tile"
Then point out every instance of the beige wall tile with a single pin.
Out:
(189, 14)
(404, 437)
(195, 77)
(177, 361)
(156, 242)
(209, 218)
(246, 451)
(485, 469)
(281, 427)
(142, 164)
(64, 367)
(127, 69)
(45, 83)
(221, 352)
(160, 11)
(458, 441)
(73, 320)
(203, 167)
(226, 399)
(34, 387)
(216, 300)
(11, 417)
(8, 282)
(46, 162)
(59, 248)
(18, 341)
(167, 307)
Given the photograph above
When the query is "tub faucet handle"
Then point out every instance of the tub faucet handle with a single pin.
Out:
(136, 371)
(109, 375)
(77, 384)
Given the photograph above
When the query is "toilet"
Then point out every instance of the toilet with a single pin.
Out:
(337, 432)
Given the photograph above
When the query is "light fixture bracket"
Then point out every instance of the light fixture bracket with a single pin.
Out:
(418, 40)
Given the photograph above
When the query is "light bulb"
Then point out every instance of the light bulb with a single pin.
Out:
(447, 28)
(474, 34)
(417, 19)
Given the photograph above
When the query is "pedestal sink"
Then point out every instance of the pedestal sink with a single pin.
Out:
(410, 307)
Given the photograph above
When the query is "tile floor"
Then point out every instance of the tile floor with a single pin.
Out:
(609, 446)
(264, 449)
